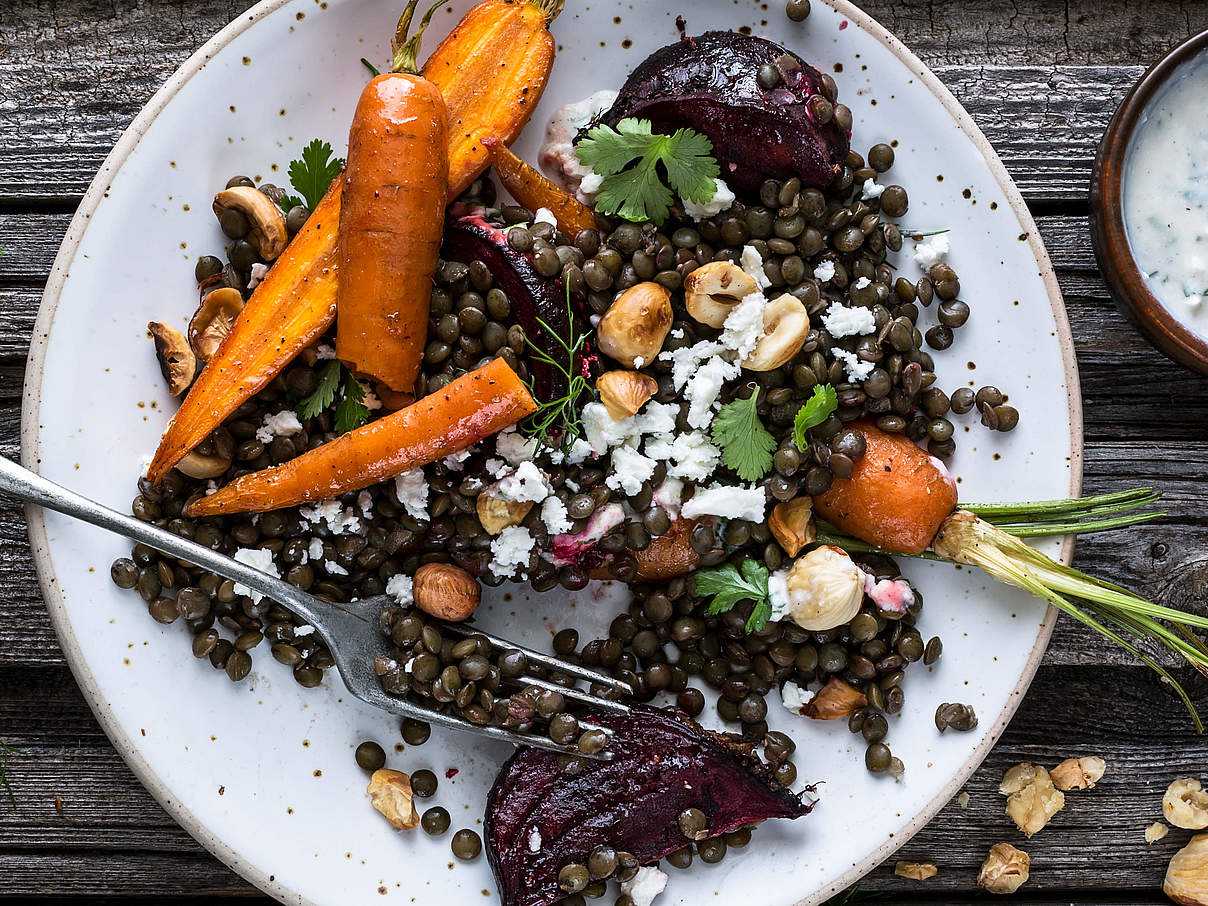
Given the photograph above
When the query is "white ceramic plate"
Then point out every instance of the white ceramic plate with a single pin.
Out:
(262, 772)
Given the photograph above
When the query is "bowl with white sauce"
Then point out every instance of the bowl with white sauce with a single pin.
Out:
(1149, 204)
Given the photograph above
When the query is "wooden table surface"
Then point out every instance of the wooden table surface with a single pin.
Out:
(1041, 78)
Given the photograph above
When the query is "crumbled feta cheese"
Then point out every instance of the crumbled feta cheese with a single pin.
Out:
(705, 387)
(282, 424)
(825, 271)
(578, 452)
(495, 467)
(514, 446)
(527, 484)
(554, 515)
(545, 215)
(372, 403)
(931, 251)
(693, 455)
(411, 488)
(752, 263)
(728, 501)
(534, 840)
(589, 185)
(630, 470)
(365, 504)
(258, 559)
(338, 519)
(258, 273)
(558, 151)
(323, 351)
(794, 697)
(722, 200)
(211, 487)
(677, 333)
(603, 431)
(644, 886)
(871, 189)
(316, 548)
(668, 495)
(856, 369)
(778, 594)
(401, 588)
(686, 359)
(861, 283)
(334, 569)
(848, 321)
(744, 326)
(455, 462)
(638, 361)
(510, 550)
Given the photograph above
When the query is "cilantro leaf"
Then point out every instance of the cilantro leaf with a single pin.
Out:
(728, 586)
(638, 193)
(351, 411)
(324, 394)
(759, 617)
(313, 174)
(746, 445)
(816, 410)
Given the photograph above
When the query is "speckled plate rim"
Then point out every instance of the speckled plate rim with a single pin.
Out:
(30, 454)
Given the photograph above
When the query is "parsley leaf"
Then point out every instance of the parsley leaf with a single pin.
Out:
(325, 394)
(728, 586)
(313, 174)
(638, 192)
(351, 411)
(816, 410)
(746, 445)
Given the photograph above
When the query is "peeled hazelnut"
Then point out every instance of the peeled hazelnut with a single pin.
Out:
(1005, 869)
(837, 698)
(1078, 773)
(1187, 875)
(446, 591)
(268, 232)
(1185, 804)
(390, 793)
(634, 327)
(1031, 797)
(825, 589)
(496, 514)
(916, 871)
(213, 320)
(1156, 832)
(785, 325)
(176, 359)
(623, 393)
(792, 524)
(712, 291)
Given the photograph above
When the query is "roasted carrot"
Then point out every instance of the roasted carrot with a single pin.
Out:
(391, 216)
(473, 406)
(534, 191)
(492, 70)
(896, 498)
(291, 309)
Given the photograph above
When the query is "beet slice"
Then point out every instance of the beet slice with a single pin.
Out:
(662, 764)
(473, 238)
(710, 84)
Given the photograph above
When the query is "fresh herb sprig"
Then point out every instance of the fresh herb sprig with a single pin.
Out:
(336, 381)
(636, 191)
(746, 445)
(312, 175)
(5, 752)
(817, 409)
(728, 586)
(561, 416)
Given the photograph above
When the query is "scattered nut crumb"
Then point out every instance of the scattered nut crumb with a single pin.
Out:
(1078, 773)
(917, 871)
(1156, 832)
(390, 793)
(1186, 804)
(1187, 875)
(1005, 869)
(1031, 797)
(963, 799)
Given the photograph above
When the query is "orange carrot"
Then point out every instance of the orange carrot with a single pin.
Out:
(291, 309)
(473, 406)
(392, 216)
(897, 495)
(533, 191)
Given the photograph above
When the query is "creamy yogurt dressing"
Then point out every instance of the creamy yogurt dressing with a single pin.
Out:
(1166, 197)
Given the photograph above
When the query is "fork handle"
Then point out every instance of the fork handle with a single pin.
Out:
(17, 481)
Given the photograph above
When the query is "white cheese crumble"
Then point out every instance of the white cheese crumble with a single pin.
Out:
(510, 550)
(794, 697)
(752, 263)
(668, 495)
(527, 484)
(534, 840)
(825, 271)
(334, 569)
(365, 504)
(861, 283)
(856, 369)
(630, 470)
(341, 521)
(258, 273)
(323, 352)
(871, 189)
(495, 467)
(514, 446)
(705, 387)
(411, 488)
(558, 151)
(693, 455)
(401, 588)
(644, 886)
(455, 462)
(778, 594)
(727, 501)
(744, 326)
(316, 548)
(848, 321)
(545, 215)
(932, 250)
(722, 200)
(554, 515)
(282, 424)
(258, 559)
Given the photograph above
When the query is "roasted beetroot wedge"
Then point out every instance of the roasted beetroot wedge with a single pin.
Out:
(541, 818)
(710, 83)
(534, 298)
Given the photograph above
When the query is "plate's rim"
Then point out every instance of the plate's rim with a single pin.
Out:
(44, 566)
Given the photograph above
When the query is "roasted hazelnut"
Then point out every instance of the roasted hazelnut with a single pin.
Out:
(176, 359)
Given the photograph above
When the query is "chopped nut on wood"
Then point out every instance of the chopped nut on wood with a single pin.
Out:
(390, 793)
(1187, 875)
(1078, 773)
(916, 871)
(1156, 832)
(1031, 797)
(1186, 804)
(1005, 869)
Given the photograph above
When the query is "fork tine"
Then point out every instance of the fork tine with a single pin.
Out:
(545, 660)
(571, 692)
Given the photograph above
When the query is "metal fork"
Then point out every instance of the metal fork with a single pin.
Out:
(351, 631)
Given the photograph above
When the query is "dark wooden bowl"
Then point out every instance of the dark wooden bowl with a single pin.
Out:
(1124, 278)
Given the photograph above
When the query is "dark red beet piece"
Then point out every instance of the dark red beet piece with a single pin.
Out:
(710, 84)
(662, 764)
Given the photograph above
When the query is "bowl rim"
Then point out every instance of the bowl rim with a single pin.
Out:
(1109, 236)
